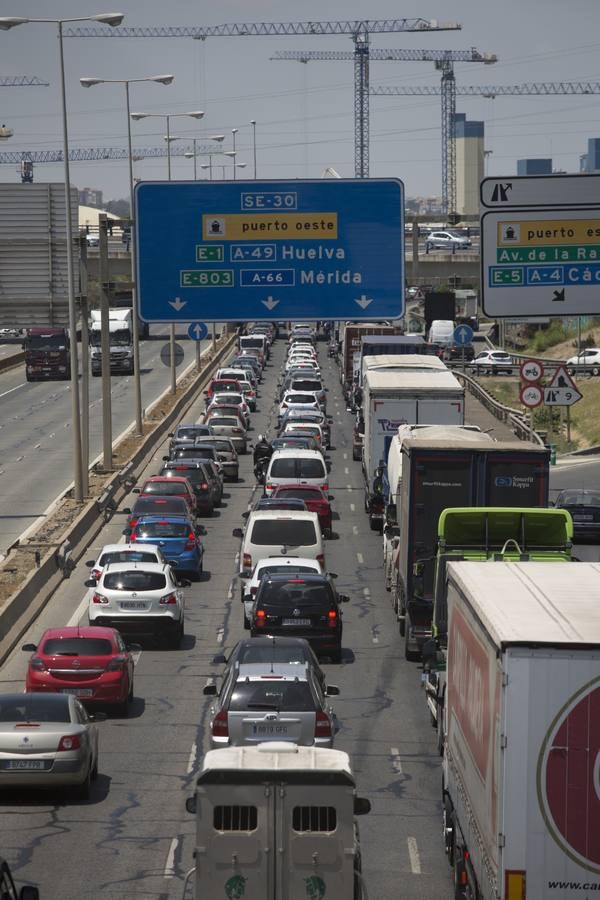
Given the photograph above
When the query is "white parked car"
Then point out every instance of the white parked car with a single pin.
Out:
(447, 240)
(141, 599)
(586, 361)
(492, 362)
(270, 565)
(279, 532)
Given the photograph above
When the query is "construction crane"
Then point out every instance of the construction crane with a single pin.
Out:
(358, 29)
(444, 60)
(22, 81)
(25, 159)
(488, 91)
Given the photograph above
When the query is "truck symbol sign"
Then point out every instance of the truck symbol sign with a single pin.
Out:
(568, 777)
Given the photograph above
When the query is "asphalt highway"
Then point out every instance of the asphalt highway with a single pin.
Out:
(134, 837)
(35, 431)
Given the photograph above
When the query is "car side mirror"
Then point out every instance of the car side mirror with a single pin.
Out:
(29, 648)
(134, 648)
(245, 514)
(332, 574)
(244, 575)
(166, 458)
(90, 582)
(219, 659)
(343, 598)
(362, 806)
(418, 568)
(330, 497)
(191, 805)
(171, 434)
(90, 563)
(210, 690)
(332, 690)
(237, 532)
(126, 510)
(184, 582)
(127, 532)
(135, 490)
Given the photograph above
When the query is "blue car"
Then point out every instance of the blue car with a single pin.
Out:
(177, 538)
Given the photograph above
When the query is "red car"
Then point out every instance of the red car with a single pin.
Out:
(94, 663)
(316, 501)
(177, 486)
(219, 386)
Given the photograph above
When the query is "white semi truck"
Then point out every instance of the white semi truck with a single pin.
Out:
(276, 822)
(120, 329)
(521, 772)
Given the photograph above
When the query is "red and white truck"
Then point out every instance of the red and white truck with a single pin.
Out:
(521, 776)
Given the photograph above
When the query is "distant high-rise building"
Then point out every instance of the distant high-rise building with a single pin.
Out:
(590, 162)
(534, 167)
(469, 164)
(90, 197)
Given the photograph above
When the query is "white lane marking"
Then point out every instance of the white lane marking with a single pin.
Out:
(192, 758)
(230, 591)
(396, 761)
(360, 558)
(346, 470)
(237, 558)
(36, 446)
(74, 620)
(355, 529)
(170, 863)
(348, 487)
(367, 592)
(345, 456)
(352, 507)
(220, 635)
(135, 655)
(413, 853)
(19, 458)
(13, 389)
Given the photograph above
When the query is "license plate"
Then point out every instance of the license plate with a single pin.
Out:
(78, 692)
(303, 622)
(133, 604)
(582, 518)
(269, 730)
(24, 764)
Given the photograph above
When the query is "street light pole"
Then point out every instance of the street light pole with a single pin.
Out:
(253, 123)
(234, 131)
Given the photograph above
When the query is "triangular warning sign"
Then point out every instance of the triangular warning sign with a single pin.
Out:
(562, 379)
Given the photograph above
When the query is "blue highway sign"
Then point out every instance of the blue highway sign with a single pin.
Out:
(463, 335)
(251, 250)
(197, 331)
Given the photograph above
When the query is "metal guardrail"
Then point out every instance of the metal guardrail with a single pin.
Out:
(511, 417)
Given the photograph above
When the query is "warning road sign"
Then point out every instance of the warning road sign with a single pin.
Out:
(562, 379)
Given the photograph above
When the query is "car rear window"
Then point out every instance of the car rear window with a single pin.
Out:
(195, 474)
(297, 468)
(206, 450)
(190, 432)
(276, 695)
(284, 569)
(127, 556)
(164, 487)
(224, 420)
(163, 530)
(220, 386)
(255, 652)
(299, 398)
(77, 646)
(302, 492)
(135, 581)
(306, 384)
(277, 597)
(34, 708)
(289, 532)
(187, 452)
(176, 505)
(230, 399)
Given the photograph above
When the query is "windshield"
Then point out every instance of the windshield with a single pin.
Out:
(135, 580)
(283, 532)
(47, 342)
(175, 505)
(190, 432)
(174, 488)
(119, 338)
(195, 474)
(303, 492)
(297, 468)
(282, 695)
(77, 646)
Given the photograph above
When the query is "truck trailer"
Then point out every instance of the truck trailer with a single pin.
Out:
(521, 783)
(413, 390)
(453, 469)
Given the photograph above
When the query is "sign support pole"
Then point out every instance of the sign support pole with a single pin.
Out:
(198, 354)
(568, 424)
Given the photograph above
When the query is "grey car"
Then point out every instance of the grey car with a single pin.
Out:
(47, 740)
(271, 702)
(271, 650)
(226, 455)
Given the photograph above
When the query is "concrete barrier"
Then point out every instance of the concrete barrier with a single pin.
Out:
(21, 608)
(9, 362)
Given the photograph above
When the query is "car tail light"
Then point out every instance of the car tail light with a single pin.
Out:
(38, 664)
(253, 590)
(168, 600)
(69, 742)
(332, 618)
(133, 522)
(191, 541)
(321, 560)
(247, 561)
(220, 726)
(260, 618)
(95, 574)
(204, 486)
(322, 724)
(269, 486)
(100, 598)
(116, 664)
(132, 537)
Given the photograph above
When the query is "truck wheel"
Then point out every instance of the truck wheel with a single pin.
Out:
(410, 655)
(374, 524)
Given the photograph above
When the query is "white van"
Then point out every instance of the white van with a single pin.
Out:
(441, 332)
(279, 532)
(293, 466)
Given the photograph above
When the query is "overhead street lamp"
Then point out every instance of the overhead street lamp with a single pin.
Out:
(195, 114)
(6, 23)
(213, 137)
(137, 378)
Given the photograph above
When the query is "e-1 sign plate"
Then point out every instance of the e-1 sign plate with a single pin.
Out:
(251, 250)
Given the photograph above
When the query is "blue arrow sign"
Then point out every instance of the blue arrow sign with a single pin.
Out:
(247, 250)
(197, 331)
(463, 335)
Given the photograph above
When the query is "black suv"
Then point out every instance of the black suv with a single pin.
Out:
(305, 606)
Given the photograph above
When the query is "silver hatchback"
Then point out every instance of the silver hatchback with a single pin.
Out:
(279, 702)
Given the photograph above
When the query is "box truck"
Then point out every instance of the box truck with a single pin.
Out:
(452, 469)
(485, 534)
(351, 334)
(276, 822)
(414, 391)
(392, 345)
(521, 783)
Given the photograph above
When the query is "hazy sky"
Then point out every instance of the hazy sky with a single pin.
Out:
(304, 113)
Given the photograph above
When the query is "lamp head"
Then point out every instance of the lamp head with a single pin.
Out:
(90, 82)
(253, 121)
(217, 137)
(7, 22)
(163, 79)
(197, 114)
(109, 18)
(137, 116)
